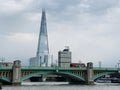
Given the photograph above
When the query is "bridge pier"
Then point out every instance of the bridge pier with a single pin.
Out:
(89, 77)
(43, 78)
(16, 73)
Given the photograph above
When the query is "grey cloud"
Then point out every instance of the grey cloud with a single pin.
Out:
(52, 5)
(96, 6)
(16, 23)
(86, 26)
(56, 8)
(101, 6)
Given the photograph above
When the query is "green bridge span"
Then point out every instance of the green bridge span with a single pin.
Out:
(18, 74)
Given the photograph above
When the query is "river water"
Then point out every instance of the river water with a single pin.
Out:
(51, 86)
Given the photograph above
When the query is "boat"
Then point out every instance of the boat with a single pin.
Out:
(103, 80)
(108, 80)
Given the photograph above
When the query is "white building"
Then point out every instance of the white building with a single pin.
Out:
(64, 58)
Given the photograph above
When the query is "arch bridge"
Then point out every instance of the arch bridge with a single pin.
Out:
(18, 74)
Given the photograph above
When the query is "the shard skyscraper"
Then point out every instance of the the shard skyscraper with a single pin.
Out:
(42, 54)
(43, 49)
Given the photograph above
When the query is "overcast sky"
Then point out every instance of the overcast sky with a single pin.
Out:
(91, 28)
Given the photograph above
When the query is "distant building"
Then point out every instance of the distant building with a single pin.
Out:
(33, 61)
(6, 64)
(42, 55)
(64, 58)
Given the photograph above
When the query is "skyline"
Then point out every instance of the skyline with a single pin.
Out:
(89, 27)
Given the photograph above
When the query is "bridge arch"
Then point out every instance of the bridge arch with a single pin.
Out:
(54, 73)
(6, 79)
(102, 74)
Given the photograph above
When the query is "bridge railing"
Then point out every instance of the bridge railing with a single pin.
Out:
(62, 68)
(38, 67)
(5, 67)
(105, 68)
(35, 67)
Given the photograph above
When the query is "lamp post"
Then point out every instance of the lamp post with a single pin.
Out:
(2, 59)
(80, 62)
(118, 63)
(0, 81)
(100, 64)
(118, 66)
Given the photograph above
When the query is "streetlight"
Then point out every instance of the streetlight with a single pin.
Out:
(100, 64)
(80, 62)
(0, 81)
(2, 60)
(118, 63)
(118, 66)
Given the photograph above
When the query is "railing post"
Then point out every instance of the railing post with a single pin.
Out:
(90, 73)
(16, 72)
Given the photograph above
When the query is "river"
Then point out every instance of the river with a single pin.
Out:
(58, 86)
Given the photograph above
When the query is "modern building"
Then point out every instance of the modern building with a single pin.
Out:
(42, 55)
(33, 61)
(64, 58)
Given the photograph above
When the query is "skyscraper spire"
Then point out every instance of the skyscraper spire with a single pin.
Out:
(43, 49)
